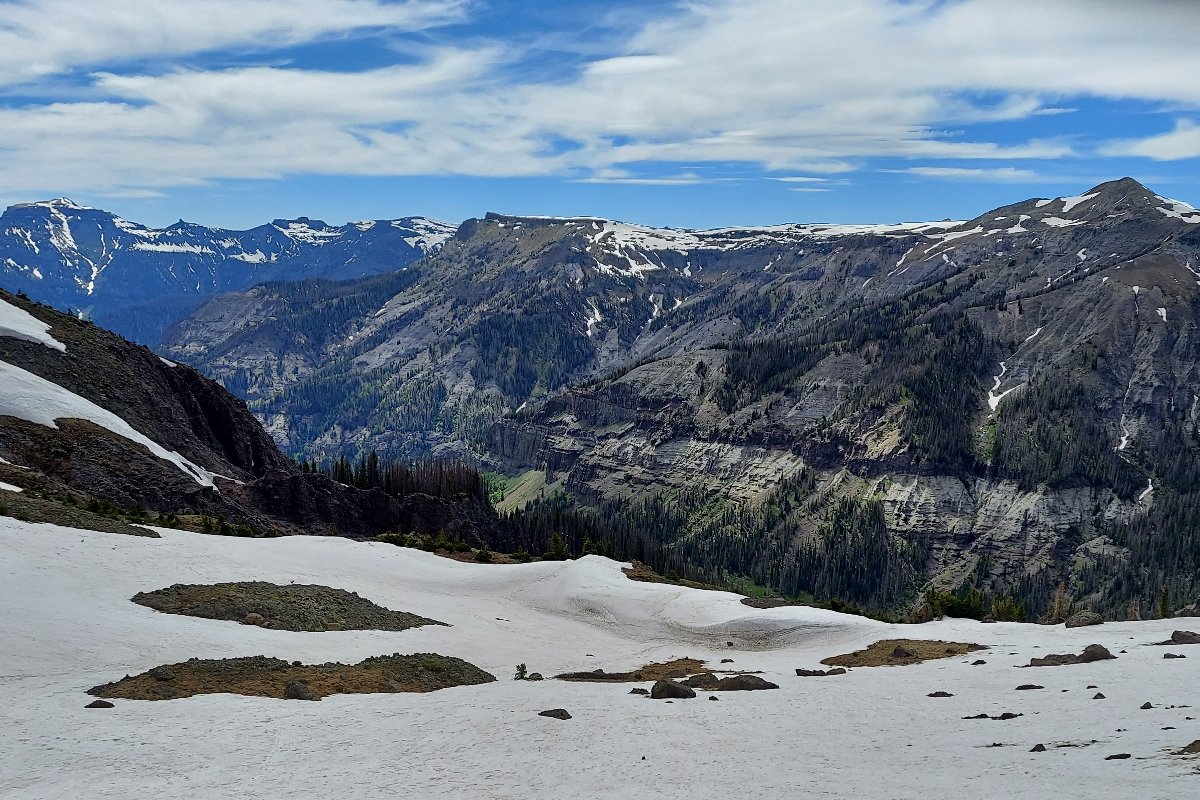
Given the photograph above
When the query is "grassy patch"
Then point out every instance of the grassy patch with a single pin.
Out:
(296, 607)
(900, 652)
(260, 676)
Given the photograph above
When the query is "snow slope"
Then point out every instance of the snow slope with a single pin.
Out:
(18, 323)
(68, 624)
(30, 397)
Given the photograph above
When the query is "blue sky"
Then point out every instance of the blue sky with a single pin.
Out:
(697, 114)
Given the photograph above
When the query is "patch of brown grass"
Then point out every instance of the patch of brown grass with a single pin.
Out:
(645, 574)
(901, 652)
(260, 676)
(679, 668)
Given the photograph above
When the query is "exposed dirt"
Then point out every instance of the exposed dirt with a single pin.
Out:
(260, 676)
(295, 607)
(900, 652)
(679, 668)
(30, 507)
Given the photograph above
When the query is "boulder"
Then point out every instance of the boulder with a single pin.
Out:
(819, 673)
(555, 713)
(903, 652)
(1146, 706)
(298, 690)
(744, 683)
(1085, 618)
(1191, 749)
(162, 674)
(1099, 696)
(1038, 748)
(1118, 757)
(1027, 686)
(253, 618)
(640, 690)
(705, 680)
(939, 694)
(1174, 655)
(1093, 652)
(535, 676)
(99, 704)
(1185, 637)
(664, 690)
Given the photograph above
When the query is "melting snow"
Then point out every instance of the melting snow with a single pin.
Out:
(594, 319)
(1059, 222)
(168, 247)
(1146, 492)
(1027, 338)
(1162, 312)
(993, 398)
(29, 397)
(1070, 202)
(17, 323)
(1178, 209)
(1082, 254)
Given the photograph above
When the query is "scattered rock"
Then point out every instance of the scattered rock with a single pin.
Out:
(1174, 655)
(1008, 715)
(253, 618)
(298, 690)
(1098, 696)
(979, 662)
(1027, 686)
(1190, 750)
(1038, 748)
(820, 673)
(705, 680)
(1146, 706)
(1092, 686)
(729, 644)
(679, 668)
(1084, 619)
(162, 674)
(1118, 757)
(713, 697)
(640, 690)
(535, 676)
(903, 652)
(556, 713)
(1093, 652)
(939, 694)
(665, 689)
(99, 704)
(726, 660)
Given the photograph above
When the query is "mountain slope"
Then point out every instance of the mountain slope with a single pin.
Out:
(87, 418)
(138, 280)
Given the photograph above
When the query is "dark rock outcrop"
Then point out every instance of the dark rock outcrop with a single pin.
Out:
(670, 690)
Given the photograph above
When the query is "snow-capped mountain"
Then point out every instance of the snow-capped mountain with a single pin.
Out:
(138, 280)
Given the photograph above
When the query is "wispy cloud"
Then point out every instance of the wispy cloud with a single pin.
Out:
(1183, 141)
(993, 175)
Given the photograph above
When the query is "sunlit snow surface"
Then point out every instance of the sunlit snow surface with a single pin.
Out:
(68, 625)
(18, 323)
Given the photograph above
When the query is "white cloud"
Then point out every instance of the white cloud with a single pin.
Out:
(818, 87)
(1181, 142)
(46, 37)
(981, 174)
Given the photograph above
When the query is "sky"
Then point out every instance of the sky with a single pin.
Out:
(705, 113)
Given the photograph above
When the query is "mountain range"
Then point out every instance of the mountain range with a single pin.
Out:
(137, 280)
(1005, 405)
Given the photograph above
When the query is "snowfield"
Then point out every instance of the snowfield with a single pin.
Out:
(68, 624)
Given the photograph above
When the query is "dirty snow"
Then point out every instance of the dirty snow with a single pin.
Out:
(29, 397)
(17, 323)
(872, 733)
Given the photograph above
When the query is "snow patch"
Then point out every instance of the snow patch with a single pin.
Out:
(174, 247)
(1070, 202)
(1162, 312)
(30, 397)
(17, 323)
(8, 487)
(1059, 222)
